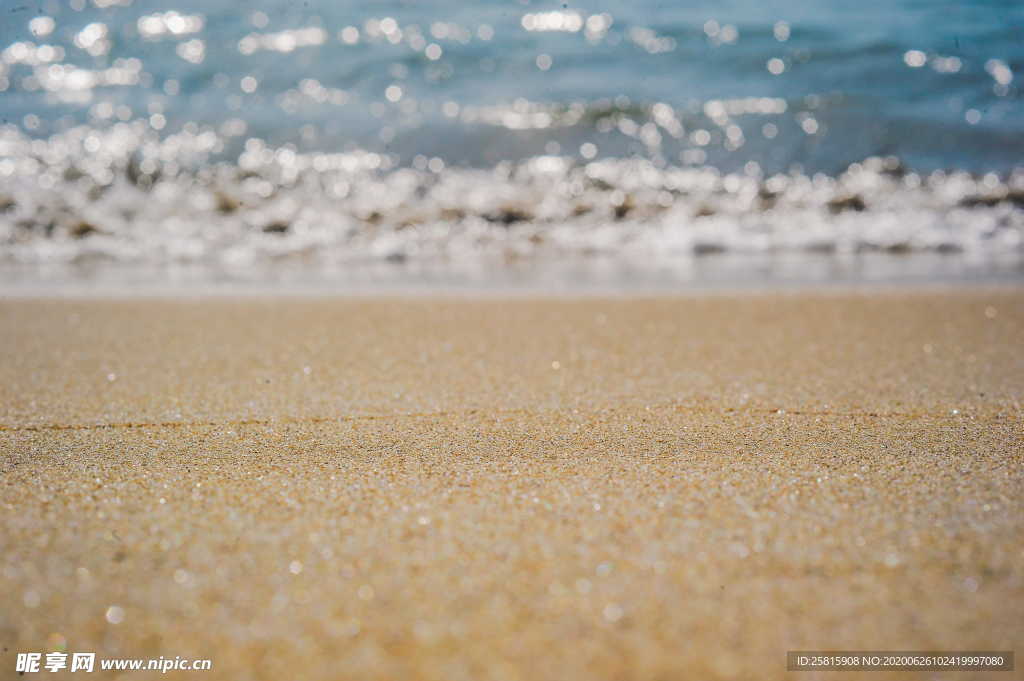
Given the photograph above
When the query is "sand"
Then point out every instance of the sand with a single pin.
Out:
(621, 488)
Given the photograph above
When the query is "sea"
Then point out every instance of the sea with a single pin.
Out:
(615, 141)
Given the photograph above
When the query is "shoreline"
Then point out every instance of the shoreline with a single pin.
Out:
(533, 293)
(387, 282)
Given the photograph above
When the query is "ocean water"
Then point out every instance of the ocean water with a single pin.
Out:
(481, 134)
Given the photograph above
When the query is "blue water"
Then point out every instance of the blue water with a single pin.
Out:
(845, 82)
(641, 135)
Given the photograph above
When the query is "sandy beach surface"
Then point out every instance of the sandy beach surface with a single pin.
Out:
(500, 488)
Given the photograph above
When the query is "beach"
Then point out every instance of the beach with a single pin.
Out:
(510, 341)
(512, 487)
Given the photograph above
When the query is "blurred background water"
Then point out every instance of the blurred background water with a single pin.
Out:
(205, 131)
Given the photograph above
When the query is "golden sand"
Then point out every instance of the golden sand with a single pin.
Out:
(668, 488)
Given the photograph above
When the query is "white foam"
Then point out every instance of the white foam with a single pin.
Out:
(124, 195)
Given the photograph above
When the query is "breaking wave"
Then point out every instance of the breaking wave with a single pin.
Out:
(123, 194)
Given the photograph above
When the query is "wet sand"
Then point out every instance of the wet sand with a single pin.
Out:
(621, 488)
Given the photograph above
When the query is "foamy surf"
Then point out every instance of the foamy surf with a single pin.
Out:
(124, 195)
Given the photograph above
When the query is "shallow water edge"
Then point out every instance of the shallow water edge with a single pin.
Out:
(728, 273)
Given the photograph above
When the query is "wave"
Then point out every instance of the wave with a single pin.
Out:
(123, 194)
